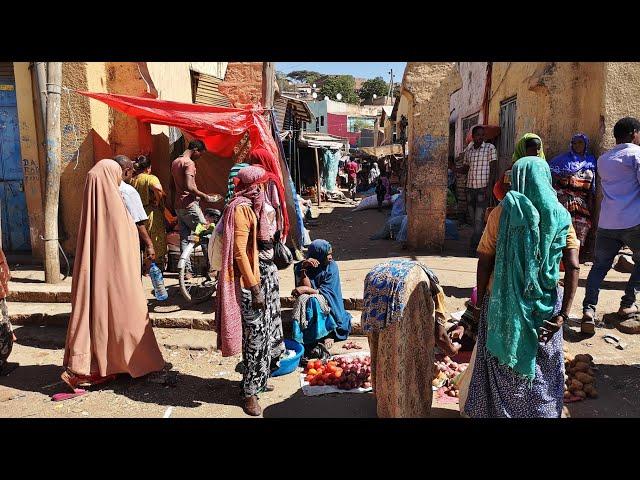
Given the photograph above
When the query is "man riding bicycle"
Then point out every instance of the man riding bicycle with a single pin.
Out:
(187, 195)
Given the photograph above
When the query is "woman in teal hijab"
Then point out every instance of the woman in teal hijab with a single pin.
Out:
(519, 365)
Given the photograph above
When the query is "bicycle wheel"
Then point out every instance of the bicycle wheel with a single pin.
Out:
(199, 286)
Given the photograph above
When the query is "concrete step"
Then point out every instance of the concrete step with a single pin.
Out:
(57, 314)
(43, 293)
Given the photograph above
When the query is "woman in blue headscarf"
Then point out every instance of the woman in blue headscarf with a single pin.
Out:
(319, 314)
(574, 178)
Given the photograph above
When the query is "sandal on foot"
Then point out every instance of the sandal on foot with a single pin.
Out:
(626, 313)
(588, 324)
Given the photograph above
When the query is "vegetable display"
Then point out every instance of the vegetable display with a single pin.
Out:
(579, 378)
(444, 374)
(341, 372)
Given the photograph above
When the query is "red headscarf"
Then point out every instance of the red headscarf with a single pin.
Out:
(264, 158)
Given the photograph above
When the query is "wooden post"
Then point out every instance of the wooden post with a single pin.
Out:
(52, 185)
(267, 84)
(41, 75)
(318, 186)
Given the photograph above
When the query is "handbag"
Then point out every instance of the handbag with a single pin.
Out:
(215, 251)
(282, 256)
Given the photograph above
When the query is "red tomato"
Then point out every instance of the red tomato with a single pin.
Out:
(310, 364)
(317, 364)
(331, 368)
(332, 363)
(325, 377)
(308, 378)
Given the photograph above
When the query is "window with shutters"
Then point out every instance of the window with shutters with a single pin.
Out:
(204, 90)
(506, 145)
(467, 124)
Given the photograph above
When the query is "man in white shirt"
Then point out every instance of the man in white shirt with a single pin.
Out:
(132, 201)
(480, 160)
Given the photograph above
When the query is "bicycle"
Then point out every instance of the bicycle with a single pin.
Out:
(198, 285)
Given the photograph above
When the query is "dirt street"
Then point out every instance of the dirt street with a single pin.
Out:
(207, 384)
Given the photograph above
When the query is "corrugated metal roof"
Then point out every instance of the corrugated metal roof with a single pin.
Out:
(205, 90)
(287, 108)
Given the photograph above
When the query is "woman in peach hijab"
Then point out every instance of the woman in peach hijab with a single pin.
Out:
(109, 330)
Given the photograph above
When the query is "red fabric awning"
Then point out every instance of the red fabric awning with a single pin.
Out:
(220, 128)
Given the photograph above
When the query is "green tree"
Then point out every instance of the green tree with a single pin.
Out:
(343, 84)
(373, 86)
(284, 84)
(305, 76)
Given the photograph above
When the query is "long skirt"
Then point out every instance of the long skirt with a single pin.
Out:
(320, 325)
(262, 337)
(496, 391)
(402, 354)
(270, 284)
(6, 334)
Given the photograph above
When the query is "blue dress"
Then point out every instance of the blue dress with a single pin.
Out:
(325, 279)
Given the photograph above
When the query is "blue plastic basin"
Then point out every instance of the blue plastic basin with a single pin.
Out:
(290, 364)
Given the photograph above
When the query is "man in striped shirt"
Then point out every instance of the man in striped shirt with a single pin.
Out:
(480, 160)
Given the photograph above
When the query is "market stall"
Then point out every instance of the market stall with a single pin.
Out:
(221, 129)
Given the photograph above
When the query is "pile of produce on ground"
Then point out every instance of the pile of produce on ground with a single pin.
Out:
(351, 345)
(343, 373)
(444, 375)
(579, 378)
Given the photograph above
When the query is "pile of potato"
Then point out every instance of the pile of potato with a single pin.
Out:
(579, 378)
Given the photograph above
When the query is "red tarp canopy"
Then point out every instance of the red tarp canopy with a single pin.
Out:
(220, 128)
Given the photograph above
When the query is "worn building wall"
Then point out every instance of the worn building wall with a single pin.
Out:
(27, 111)
(554, 100)
(85, 129)
(429, 86)
(468, 100)
(621, 96)
(243, 83)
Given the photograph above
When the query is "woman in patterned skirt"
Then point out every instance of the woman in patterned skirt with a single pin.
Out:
(404, 318)
(248, 307)
(518, 369)
(6, 331)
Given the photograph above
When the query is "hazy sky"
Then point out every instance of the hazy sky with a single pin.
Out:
(357, 69)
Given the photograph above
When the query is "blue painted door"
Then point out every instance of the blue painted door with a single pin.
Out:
(13, 204)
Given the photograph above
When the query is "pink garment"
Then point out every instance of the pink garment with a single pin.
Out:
(228, 323)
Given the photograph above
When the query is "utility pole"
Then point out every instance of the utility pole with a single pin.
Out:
(52, 184)
(391, 84)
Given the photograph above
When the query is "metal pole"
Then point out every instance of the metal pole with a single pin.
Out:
(318, 175)
(52, 184)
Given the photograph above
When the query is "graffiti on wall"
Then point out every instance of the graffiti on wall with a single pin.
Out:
(425, 147)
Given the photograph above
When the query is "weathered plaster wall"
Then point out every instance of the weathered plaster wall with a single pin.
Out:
(429, 86)
(468, 100)
(621, 96)
(554, 100)
(30, 155)
(84, 126)
(243, 83)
